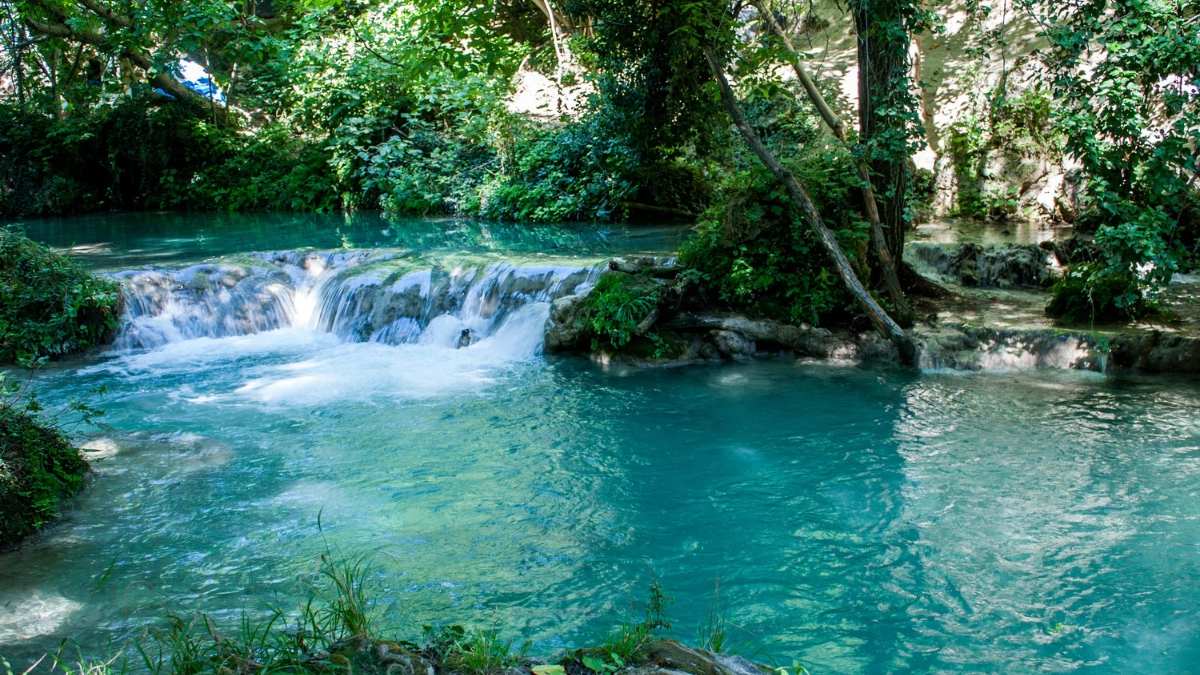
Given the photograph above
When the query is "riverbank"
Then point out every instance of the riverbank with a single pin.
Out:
(977, 308)
(338, 629)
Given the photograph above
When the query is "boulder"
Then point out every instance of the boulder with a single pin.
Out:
(1007, 266)
(733, 344)
(567, 328)
(673, 656)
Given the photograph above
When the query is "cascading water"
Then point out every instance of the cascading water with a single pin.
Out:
(358, 296)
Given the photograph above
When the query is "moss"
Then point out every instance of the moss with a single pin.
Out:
(1015, 127)
(49, 306)
(39, 469)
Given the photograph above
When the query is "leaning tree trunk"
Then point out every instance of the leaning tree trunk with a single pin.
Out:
(879, 242)
(799, 196)
(882, 86)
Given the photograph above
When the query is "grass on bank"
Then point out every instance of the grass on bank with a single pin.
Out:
(337, 631)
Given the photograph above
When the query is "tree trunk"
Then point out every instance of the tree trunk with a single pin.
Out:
(878, 316)
(560, 57)
(882, 71)
(879, 243)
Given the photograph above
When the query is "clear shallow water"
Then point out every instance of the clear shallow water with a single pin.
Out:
(853, 520)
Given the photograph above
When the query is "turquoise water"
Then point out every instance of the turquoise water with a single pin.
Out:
(851, 520)
(114, 242)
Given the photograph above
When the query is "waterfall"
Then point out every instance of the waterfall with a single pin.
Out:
(359, 296)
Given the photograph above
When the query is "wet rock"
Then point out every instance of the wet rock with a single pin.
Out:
(399, 662)
(652, 670)
(1008, 266)
(567, 329)
(672, 656)
(655, 266)
(733, 344)
(765, 334)
(1156, 352)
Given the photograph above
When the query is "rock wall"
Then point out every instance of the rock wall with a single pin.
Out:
(978, 50)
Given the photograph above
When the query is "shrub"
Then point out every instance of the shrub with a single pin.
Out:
(140, 154)
(270, 170)
(752, 252)
(568, 173)
(49, 306)
(618, 304)
(1094, 293)
(39, 469)
(1135, 263)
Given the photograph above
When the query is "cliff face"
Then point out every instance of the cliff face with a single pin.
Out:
(987, 155)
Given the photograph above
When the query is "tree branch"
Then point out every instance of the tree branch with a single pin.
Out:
(162, 80)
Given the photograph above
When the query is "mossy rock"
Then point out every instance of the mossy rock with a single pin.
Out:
(39, 469)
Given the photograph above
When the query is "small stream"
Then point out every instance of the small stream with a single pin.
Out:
(385, 381)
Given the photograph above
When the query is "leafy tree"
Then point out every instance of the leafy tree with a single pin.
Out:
(1125, 76)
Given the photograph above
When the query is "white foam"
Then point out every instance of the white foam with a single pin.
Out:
(38, 614)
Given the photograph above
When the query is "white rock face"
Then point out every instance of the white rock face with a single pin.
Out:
(954, 71)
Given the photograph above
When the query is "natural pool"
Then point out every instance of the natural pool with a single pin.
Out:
(852, 520)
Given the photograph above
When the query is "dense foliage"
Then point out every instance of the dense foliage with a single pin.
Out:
(141, 154)
(39, 469)
(753, 253)
(372, 105)
(49, 306)
(1125, 83)
(407, 106)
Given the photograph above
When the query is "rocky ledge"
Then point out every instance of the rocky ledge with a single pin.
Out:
(960, 332)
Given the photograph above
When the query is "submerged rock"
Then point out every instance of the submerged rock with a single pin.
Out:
(673, 656)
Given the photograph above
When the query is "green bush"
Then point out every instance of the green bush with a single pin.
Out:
(49, 306)
(140, 154)
(568, 173)
(1136, 262)
(39, 469)
(752, 252)
(1095, 293)
(616, 306)
(269, 170)
(424, 172)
